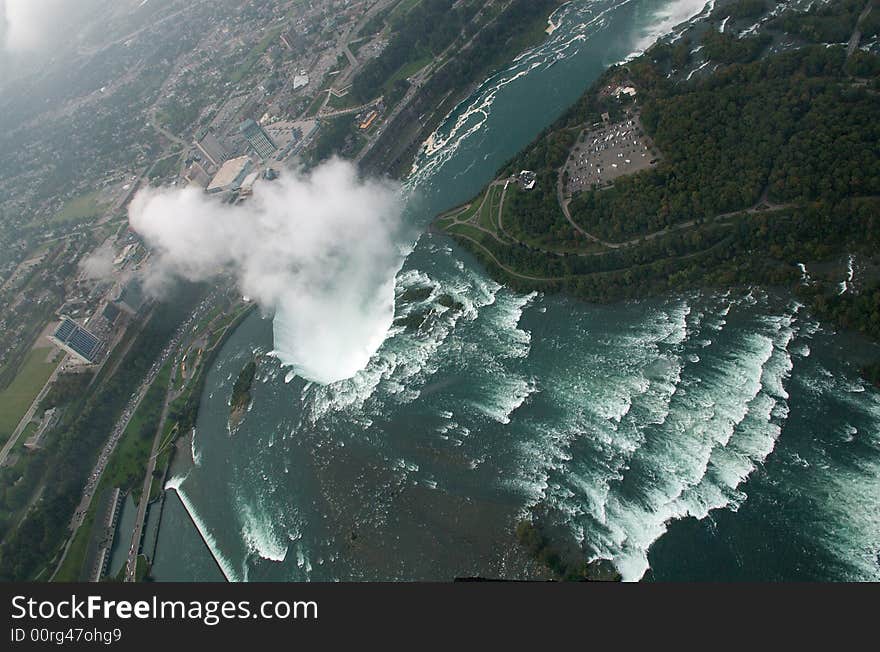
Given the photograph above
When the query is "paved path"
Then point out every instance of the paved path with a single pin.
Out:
(350, 55)
(507, 269)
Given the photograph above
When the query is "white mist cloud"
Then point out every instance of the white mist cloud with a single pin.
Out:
(321, 251)
(98, 265)
(30, 24)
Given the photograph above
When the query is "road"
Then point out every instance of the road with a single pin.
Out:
(350, 56)
(154, 123)
(118, 430)
(137, 530)
(763, 205)
(26, 419)
(354, 109)
(170, 396)
(135, 400)
(417, 80)
(857, 30)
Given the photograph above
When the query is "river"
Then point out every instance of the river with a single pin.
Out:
(705, 436)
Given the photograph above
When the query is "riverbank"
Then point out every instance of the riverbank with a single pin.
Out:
(698, 220)
(629, 422)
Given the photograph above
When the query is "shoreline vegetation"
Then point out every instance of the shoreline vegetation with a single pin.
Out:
(241, 394)
(467, 42)
(767, 166)
(32, 547)
(767, 173)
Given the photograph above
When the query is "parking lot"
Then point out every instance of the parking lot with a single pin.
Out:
(606, 152)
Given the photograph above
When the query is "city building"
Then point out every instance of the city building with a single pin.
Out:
(212, 149)
(258, 139)
(247, 186)
(197, 175)
(126, 253)
(231, 175)
(110, 313)
(288, 39)
(369, 120)
(131, 297)
(527, 179)
(300, 81)
(76, 340)
(624, 90)
(50, 418)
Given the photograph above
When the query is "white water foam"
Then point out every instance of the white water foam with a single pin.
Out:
(685, 445)
(666, 19)
(260, 533)
(175, 483)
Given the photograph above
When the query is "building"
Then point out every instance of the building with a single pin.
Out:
(300, 81)
(197, 175)
(527, 179)
(76, 340)
(288, 39)
(110, 313)
(50, 418)
(247, 186)
(258, 139)
(231, 175)
(369, 120)
(131, 297)
(212, 149)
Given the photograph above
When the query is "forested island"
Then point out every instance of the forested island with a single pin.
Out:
(763, 127)
(241, 394)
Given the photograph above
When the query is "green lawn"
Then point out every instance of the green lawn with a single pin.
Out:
(28, 431)
(407, 70)
(315, 106)
(72, 567)
(18, 396)
(79, 209)
(403, 7)
(128, 463)
(347, 101)
(164, 167)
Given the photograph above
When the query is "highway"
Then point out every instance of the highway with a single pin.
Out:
(124, 419)
(134, 548)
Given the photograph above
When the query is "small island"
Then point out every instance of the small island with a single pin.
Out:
(241, 394)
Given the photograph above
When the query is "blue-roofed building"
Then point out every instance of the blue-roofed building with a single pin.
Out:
(76, 340)
(258, 139)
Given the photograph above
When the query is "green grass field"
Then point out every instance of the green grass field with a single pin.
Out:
(73, 563)
(18, 396)
(128, 463)
(125, 469)
(79, 209)
(401, 10)
(28, 431)
(405, 71)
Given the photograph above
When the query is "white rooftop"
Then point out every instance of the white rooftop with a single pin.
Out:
(228, 173)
